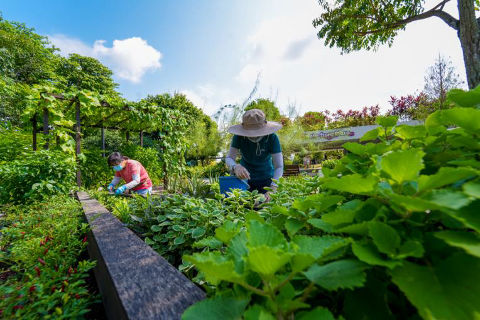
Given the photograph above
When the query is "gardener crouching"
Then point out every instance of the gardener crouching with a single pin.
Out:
(262, 159)
(132, 172)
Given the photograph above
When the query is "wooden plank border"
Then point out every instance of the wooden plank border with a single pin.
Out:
(135, 282)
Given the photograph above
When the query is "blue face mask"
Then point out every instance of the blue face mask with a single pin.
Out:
(117, 167)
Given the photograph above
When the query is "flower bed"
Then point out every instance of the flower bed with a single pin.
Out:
(43, 274)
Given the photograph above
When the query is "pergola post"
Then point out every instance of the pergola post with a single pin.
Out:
(127, 136)
(34, 132)
(103, 141)
(78, 141)
(45, 128)
(141, 138)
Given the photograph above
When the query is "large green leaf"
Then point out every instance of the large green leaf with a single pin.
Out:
(354, 183)
(267, 260)
(227, 231)
(448, 290)
(367, 253)
(466, 99)
(444, 176)
(472, 189)
(468, 215)
(466, 118)
(214, 266)
(404, 165)
(411, 132)
(385, 237)
(338, 274)
(217, 308)
(387, 121)
(371, 135)
(447, 199)
(343, 214)
(262, 234)
(319, 246)
(468, 241)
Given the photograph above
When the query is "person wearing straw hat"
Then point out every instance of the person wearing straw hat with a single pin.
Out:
(262, 159)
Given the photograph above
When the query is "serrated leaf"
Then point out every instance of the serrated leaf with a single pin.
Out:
(444, 176)
(354, 183)
(453, 287)
(267, 260)
(179, 240)
(156, 228)
(320, 224)
(217, 308)
(227, 231)
(468, 215)
(293, 226)
(319, 246)
(410, 248)
(466, 118)
(384, 237)
(468, 241)
(262, 234)
(368, 253)
(402, 165)
(413, 204)
(214, 266)
(358, 228)
(319, 313)
(338, 274)
(355, 148)
(343, 214)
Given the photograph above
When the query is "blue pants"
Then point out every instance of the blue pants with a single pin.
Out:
(143, 191)
(259, 185)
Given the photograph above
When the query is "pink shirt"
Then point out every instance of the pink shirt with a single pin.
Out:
(133, 167)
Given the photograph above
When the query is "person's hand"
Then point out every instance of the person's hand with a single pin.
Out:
(110, 187)
(120, 190)
(241, 172)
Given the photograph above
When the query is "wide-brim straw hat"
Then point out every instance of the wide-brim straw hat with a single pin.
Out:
(254, 124)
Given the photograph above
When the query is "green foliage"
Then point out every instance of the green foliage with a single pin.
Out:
(42, 275)
(267, 106)
(396, 217)
(36, 176)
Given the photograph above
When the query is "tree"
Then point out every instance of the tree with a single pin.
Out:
(86, 73)
(313, 120)
(365, 24)
(440, 78)
(268, 107)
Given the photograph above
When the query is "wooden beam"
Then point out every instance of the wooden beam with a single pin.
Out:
(141, 138)
(78, 141)
(103, 142)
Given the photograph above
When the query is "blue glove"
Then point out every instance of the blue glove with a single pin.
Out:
(120, 190)
(110, 187)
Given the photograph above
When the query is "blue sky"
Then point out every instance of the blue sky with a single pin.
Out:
(213, 50)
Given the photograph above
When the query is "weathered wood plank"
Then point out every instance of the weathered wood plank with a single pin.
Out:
(134, 280)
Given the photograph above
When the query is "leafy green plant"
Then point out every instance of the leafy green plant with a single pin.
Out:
(395, 223)
(41, 245)
(36, 175)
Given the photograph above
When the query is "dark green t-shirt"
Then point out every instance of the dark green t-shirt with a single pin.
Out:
(257, 156)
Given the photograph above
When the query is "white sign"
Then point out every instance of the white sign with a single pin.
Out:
(345, 134)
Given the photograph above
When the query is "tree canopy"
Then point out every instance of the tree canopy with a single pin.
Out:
(267, 106)
(366, 24)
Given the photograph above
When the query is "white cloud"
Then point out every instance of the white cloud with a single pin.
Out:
(284, 48)
(129, 58)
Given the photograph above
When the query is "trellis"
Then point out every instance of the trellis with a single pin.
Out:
(106, 122)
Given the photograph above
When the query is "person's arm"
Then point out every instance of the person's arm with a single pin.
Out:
(135, 178)
(230, 159)
(277, 159)
(114, 182)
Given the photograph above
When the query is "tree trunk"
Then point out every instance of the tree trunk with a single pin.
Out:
(469, 35)
(46, 131)
(103, 141)
(34, 132)
(78, 142)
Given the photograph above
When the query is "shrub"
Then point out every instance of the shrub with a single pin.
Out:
(36, 175)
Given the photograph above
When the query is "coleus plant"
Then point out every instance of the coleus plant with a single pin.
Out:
(393, 234)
